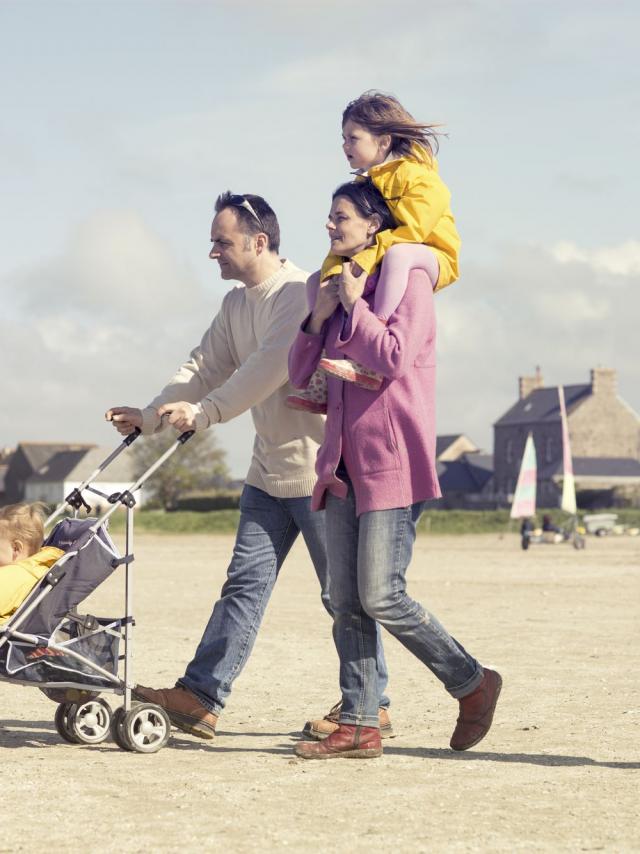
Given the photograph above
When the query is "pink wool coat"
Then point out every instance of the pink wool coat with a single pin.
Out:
(387, 438)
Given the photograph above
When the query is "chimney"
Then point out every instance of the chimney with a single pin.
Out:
(528, 384)
(604, 381)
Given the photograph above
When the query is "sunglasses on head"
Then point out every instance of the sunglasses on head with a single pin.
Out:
(238, 201)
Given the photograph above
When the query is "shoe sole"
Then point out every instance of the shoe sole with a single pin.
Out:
(309, 731)
(182, 722)
(303, 406)
(493, 709)
(364, 753)
(371, 383)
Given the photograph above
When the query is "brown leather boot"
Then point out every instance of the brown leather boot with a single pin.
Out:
(476, 712)
(347, 742)
(185, 710)
(320, 728)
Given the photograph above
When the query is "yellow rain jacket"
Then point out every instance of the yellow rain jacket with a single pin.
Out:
(419, 201)
(19, 578)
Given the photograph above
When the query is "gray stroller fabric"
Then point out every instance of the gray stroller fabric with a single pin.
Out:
(90, 559)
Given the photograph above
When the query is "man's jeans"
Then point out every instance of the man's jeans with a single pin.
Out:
(368, 558)
(267, 530)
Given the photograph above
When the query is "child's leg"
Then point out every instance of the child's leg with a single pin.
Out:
(397, 263)
(313, 398)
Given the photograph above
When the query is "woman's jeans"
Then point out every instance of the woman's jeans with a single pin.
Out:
(268, 528)
(368, 558)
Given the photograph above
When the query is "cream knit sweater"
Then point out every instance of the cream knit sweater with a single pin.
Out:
(240, 364)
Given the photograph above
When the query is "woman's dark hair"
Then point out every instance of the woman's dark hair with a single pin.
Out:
(367, 200)
(380, 113)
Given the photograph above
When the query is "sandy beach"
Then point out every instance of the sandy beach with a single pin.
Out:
(558, 771)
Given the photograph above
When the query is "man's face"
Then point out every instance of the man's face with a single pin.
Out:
(231, 248)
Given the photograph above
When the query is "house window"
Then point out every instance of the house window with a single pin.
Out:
(509, 450)
(548, 452)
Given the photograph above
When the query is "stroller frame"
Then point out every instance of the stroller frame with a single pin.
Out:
(131, 728)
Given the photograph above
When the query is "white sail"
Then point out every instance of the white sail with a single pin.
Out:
(524, 499)
(568, 503)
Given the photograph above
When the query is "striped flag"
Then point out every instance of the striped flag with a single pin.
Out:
(568, 503)
(524, 500)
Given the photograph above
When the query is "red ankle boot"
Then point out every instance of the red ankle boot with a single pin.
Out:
(476, 712)
(348, 741)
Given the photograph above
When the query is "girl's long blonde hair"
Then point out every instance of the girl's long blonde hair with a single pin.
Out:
(380, 113)
(24, 522)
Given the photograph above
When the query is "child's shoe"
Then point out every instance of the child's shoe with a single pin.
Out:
(313, 398)
(351, 372)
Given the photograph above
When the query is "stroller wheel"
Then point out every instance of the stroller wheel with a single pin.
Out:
(118, 733)
(63, 724)
(90, 721)
(146, 728)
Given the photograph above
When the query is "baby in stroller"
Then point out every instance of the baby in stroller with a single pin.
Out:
(23, 558)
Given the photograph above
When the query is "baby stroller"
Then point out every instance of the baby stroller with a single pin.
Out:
(74, 658)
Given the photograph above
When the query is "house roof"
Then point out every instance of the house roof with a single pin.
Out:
(78, 465)
(468, 474)
(596, 467)
(38, 453)
(542, 405)
(443, 442)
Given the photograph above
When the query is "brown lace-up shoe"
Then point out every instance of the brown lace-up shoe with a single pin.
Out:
(322, 727)
(347, 742)
(185, 710)
(476, 712)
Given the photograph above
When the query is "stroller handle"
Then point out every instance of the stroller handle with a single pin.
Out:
(75, 499)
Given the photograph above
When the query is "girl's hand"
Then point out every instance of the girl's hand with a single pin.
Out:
(326, 303)
(352, 282)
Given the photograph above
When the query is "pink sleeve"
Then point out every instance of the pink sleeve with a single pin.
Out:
(304, 356)
(391, 349)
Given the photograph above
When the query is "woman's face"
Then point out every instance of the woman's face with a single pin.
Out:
(349, 232)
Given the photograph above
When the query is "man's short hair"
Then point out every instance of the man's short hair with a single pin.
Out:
(247, 222)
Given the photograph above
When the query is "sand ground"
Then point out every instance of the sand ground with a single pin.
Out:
(558, 772)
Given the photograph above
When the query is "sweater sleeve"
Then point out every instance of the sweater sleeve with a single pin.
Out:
(266, 369)
(391, 349)
(304, 355)
(417, 210)
(208, 367)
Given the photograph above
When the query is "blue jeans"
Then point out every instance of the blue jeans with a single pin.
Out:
(268, 528)
(368, 559)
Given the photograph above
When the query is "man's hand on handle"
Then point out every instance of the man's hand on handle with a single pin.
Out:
(125, 419)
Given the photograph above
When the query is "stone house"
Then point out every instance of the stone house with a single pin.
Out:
(603, 430)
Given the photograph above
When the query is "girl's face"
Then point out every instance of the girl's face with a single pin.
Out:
(349, 232)
(362, 149)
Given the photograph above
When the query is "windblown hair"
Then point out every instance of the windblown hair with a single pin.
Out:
(249, 225)
(380, 113)
(24, 522)
(367, 200)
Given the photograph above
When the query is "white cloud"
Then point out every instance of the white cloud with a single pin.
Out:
(567, 309)
(621, 260)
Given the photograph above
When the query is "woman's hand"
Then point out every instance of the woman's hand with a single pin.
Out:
(351, 285)
(326, 303)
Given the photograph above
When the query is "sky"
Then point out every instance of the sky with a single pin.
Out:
(123, 121)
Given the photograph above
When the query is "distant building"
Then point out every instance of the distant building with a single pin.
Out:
(467, 482)
(67, 469)
(27, 458)
(603, 430)
(453, 447)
